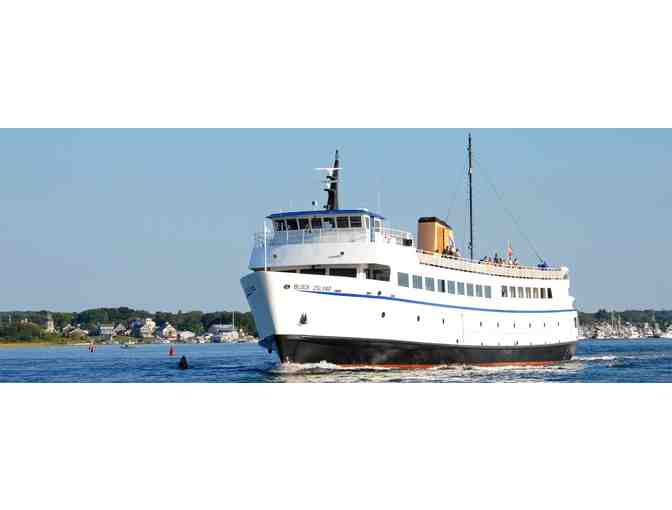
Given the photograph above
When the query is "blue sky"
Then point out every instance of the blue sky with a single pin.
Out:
(163, 218)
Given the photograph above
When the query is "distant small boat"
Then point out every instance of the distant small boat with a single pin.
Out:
(126, 346)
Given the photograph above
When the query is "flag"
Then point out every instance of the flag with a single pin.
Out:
(509, 251)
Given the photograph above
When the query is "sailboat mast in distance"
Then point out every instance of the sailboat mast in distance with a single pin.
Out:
(471, 204)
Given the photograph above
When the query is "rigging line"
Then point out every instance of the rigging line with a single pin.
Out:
(508, 211)
(452, 200)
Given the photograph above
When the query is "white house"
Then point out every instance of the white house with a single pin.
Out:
(166, 331)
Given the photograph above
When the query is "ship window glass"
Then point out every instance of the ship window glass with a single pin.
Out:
(343, 222)
(521, 293)
(441, 285)
(316, 223)
(321, 271)
(451, 287)
(303, 223)
(279, 225)
(505, 291)
(528, 293)
(479, 290)
(535, 293)
(575, 323)
(470, 289)
(380, 273)
(379, 225)
(429, 284)
(292, 224)
(402, 278)
(328, 223)
(356, 221)
(543, 293)
(417, 281)
(512, 292)
(347, 272)
(549, 293)
(460, 288)
(366, 222)
(488, 292)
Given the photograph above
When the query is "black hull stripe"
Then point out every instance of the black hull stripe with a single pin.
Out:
(427, 303)
(358, 351)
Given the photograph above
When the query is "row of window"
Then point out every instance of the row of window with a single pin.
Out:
(449, 286)
(327, 222)
(526, 292)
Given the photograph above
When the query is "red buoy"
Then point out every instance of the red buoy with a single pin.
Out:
(171, 352)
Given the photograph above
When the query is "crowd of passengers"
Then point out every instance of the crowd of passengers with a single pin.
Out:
(454, 252)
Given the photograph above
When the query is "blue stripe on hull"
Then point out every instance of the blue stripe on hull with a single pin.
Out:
(426, 303)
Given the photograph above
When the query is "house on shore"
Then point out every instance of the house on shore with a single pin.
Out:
(166, 331)
(143, 328)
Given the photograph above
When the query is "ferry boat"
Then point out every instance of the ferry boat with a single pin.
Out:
(340, 286)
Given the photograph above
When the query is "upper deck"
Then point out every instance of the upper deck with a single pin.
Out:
(363, 227)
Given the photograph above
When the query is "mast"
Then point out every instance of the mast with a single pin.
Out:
(332, 180)
(471, 204)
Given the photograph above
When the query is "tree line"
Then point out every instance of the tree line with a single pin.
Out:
(30, 325)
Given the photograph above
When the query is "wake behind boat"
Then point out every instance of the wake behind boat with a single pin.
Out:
(340, 286)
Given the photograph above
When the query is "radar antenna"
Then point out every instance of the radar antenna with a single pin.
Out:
(332, 181)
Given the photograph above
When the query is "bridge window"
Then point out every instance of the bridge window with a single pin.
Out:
(279, 225)
(343, 222)
(303, 223)
(417, 282)
(528, 293)
(451, 287)
(346, 272)
(402, 278)
(505, 291)
(366, 222)
(543, 293)
(292, 224)
(549, 293)
(460, 288)
(470, 289)
(316, 223)
(488, 292)
(535, 293)
(442, 285)
(521, 294)
(479, 290)
(328, 223)
(429, 284)
(512, 292)
(355, 221)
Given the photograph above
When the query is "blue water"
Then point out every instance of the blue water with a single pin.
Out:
(596, 361)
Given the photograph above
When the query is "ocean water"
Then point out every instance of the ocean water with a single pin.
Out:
(596, 361)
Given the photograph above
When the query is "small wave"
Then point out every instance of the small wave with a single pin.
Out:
(595, 358)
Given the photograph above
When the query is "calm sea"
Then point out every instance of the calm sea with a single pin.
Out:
(596, 361)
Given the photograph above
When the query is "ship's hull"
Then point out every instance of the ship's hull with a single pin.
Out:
(372, 352)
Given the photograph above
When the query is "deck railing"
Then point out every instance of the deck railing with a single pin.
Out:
(339, 235)
(402, 238)
(474, 266)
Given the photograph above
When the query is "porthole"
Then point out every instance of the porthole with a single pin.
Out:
(481, 324)
(498, 324)
(443, 320)
(286, 287)
(530, 324)
(380, 293)
(514, 325)
(382, 315)
(418, 318)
